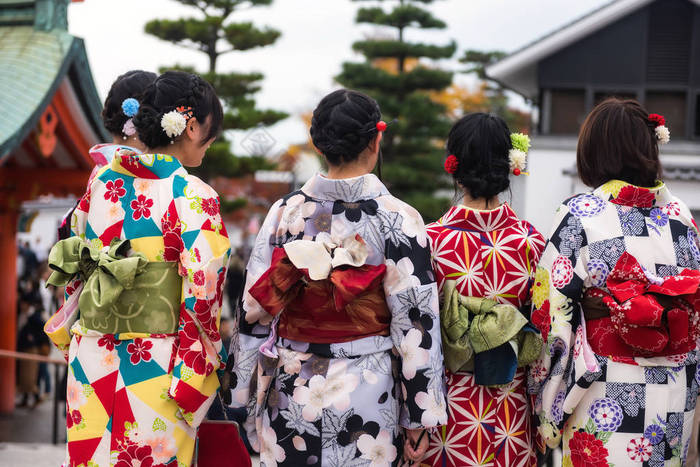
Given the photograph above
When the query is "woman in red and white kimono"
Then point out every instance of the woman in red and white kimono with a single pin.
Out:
(484, 258)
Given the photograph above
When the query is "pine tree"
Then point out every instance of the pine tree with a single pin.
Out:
(412, 147)
(215, 35)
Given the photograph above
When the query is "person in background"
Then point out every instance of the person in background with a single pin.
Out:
(617, 299)
(31, 340)
(118, 113)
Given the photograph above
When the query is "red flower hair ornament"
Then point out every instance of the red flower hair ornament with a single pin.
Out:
(451, 164)
(663, 134)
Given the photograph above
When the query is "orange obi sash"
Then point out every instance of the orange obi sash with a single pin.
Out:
(323, 303)
(643, 315)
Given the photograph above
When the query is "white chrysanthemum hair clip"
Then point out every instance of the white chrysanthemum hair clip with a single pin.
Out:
(517, 156)
(663, 134)
(175, 121)
(130, 107)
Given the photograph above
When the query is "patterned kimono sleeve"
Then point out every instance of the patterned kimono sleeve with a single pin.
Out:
(204, 253)
(412, 298)
(59, 325)
(556, 297)
(252, 323)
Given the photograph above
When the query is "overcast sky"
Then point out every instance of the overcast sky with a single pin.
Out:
(316, 38)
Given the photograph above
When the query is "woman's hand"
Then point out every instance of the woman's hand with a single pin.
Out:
(414, 449)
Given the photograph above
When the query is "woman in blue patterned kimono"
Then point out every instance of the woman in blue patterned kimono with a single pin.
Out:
(338, 354)
(616, 299)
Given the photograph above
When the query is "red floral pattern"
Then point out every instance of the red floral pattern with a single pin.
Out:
(587, 451)
(139, 350)
(562, 272)
(114, 190)
(634, 196)
(198, 278)
(210, 206)
(141, 207)
(135, 455)
(191, 350)
(108, 341)
(541, 318)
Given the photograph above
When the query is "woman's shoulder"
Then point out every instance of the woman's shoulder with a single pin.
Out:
(191, 185)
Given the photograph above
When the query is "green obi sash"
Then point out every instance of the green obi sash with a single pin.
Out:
(474, 327)
(121, 294)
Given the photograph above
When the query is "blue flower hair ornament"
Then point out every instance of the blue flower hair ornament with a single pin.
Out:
(130, 107)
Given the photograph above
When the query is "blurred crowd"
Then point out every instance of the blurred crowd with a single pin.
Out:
(35, 303)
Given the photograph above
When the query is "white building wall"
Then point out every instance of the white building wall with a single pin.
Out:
(536, 197)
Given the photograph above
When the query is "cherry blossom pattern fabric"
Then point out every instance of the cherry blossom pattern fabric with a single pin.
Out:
(138, 398)
(490, 254)
(629, 409)
(343, 403)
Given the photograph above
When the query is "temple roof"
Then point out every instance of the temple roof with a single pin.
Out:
(37, 56)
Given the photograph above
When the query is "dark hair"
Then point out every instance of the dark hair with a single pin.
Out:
(130, 84)
(170, 90)
(481, 142)
(617, 141)
(343, 124)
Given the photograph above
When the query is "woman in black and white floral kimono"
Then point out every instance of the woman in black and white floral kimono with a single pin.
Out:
(338, 355)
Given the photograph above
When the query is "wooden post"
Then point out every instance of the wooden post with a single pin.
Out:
(8, 304)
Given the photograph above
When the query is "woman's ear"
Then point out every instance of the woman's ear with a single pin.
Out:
(374, 143)
(191, 128)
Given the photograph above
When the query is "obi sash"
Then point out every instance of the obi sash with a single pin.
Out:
(322, 293)
(643, 315)
(120, 294)
(489, 338)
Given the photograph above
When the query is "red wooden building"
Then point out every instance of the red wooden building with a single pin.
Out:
(51, 117)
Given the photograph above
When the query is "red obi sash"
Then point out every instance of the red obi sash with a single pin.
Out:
(647, 316)
(348, 305)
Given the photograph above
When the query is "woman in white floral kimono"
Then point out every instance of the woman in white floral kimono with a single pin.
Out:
(338, 356)
(616, 299)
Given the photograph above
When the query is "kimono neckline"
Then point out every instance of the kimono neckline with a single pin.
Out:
(103, 153)
(149, 166)
(461, 217)
(627, 194)
(364, 187)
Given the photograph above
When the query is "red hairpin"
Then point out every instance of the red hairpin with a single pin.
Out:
(657, 119)
(451, 164)
(381, 125)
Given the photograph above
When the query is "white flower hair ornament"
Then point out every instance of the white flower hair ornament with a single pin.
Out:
(175, 121)
(517, 156)
(663, 134)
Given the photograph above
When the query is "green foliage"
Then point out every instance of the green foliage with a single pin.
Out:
(478, 60)
(214, 35)
(389, 48)
(412, 146)
(402, 16)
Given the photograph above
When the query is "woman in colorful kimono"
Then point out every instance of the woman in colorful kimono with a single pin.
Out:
(338, 355)
(485, 259)
(145, 267)
(616, 298)
(120, 107)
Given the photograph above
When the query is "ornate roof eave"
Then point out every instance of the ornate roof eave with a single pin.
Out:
(73, 65)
